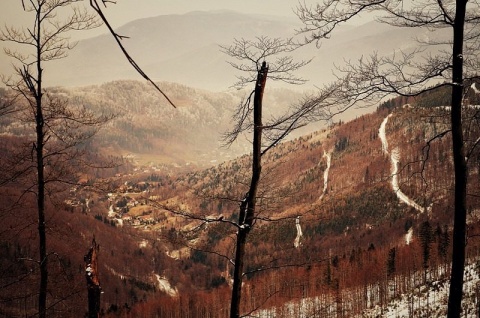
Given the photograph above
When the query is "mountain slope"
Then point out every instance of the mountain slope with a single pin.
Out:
(329, 213)
(348, 227)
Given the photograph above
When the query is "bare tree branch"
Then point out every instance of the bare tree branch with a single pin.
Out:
(118, 38)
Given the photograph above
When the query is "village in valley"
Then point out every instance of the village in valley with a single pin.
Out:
(130, 204)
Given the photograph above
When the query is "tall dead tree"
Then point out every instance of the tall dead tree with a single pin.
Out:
(59, 130)
(247, 207)
(410, 74)
(93, 282)
(47, 40)
(253, 57)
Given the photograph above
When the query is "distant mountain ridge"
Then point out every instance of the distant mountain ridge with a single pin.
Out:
(185, 49)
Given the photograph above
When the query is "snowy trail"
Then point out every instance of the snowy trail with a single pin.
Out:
(382, 135)
(474, 87)
(327, 155)
(395, 158)
(296, 243)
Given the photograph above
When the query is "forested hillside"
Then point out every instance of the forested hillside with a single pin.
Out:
(348, 214)
(151, 132)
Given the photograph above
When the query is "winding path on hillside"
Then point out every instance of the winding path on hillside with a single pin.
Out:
(395, 158)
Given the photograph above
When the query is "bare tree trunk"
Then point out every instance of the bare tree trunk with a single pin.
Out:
(42, 295)
(39, 121)
(93, 283)
(45, 41)
(460, 212)
(247, 208)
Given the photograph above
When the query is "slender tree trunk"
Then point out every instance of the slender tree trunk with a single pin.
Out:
(460, 213)
(247, 208)
(42, 296)
(39, 121)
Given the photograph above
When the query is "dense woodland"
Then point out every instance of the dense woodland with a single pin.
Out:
(158, 258)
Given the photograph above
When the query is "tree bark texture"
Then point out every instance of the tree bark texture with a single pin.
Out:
(247, 207)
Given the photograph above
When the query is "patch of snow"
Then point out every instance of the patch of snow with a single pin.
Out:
(87, 204)
(164, 285)
(431, 300)
(111, 212)
(143, 244)
(423, 301)
(475, 88)
(395, 158)
(409, 236)
(328, 156)
(296, 243)
(115, 272)
(382, 135)
(119, 222)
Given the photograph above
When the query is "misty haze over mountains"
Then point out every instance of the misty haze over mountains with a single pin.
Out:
(185, 49)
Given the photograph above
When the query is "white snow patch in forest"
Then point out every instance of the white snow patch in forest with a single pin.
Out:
(173, 254)
(431, 300)
(87, 204)
(423, 300)
(111, 213)
(382, 135)
(115, 272)
(473, 86)
(296, 243)
(328, 156)
(164, 285)
(409, 236)
(119, 222)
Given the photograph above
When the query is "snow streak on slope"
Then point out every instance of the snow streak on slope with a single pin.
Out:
(164, 285)
(382, 135)
(395, 158)
(475, 88)
(327, 155)
(409, 236)
(296, 243)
